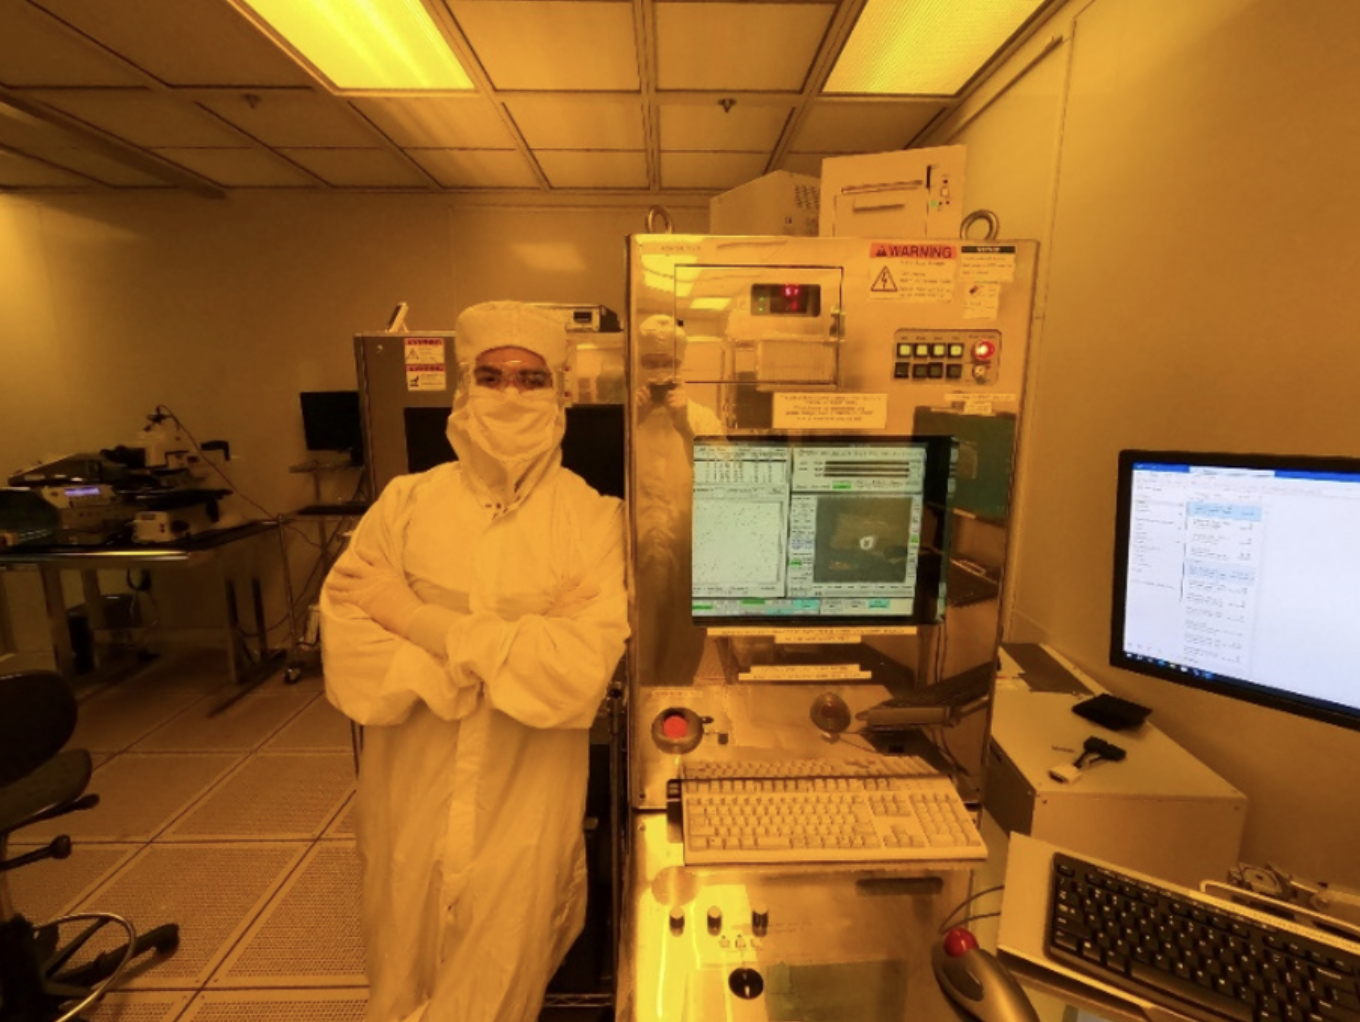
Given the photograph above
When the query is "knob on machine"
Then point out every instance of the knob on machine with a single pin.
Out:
(830, 713)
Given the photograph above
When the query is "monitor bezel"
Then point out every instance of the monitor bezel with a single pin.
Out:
(1234, 688)
(929, 601)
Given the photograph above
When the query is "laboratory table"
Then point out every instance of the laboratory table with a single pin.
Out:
(205, 550)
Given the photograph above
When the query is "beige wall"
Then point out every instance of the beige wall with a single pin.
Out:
(225, 310)
(1202, 237)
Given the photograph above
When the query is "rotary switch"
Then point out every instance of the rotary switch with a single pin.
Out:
(760, 918)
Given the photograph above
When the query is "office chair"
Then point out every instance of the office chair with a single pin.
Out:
(38, 782)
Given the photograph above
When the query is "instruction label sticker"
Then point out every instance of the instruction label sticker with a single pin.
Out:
(797, 410)
(993, 263)
(917, 272)
(803, 636)
(805, 672)
(978, 404)
(426, 367)
(981, 300)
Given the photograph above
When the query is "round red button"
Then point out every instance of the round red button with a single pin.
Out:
(675, 727)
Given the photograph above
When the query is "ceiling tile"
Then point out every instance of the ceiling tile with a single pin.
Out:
(239, 168)
(707, 128)
(18, 172)
(359, 168)
(740, 46)
(142, 117)
(294, 117)
(206, 42)
(566, 169)
(585, 45)
(35, 49)
(711, 170)
(841, 126)
(579, 122)
(438, 122)
(476, 168)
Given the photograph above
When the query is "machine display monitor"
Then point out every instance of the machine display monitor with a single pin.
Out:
(331, 421)
(1237, 574)
(820, 530)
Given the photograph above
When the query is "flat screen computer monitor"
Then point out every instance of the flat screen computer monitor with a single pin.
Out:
(820, 530)
(331, 422)
(1237, 574)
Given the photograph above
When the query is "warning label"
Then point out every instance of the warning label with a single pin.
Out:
(919, 272)
(890, 250)
(424, 351)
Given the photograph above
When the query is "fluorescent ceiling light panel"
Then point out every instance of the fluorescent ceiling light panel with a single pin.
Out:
(924, 47)
(368, 44)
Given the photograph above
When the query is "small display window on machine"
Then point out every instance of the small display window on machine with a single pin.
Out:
(823, 530)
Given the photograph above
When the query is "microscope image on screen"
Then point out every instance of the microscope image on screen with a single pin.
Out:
(822, 529)
(863, 539)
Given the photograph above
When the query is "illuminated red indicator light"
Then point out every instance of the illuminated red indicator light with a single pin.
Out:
(674, 727)
(983, 351)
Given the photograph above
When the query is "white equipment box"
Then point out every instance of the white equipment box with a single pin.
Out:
(908, 193)
(779, 203)
(1158, 811)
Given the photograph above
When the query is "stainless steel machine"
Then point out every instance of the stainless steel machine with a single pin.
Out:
(816, 599)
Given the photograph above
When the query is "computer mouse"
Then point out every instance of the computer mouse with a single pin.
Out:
(977, 982)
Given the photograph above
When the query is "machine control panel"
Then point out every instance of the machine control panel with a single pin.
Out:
(957, 356)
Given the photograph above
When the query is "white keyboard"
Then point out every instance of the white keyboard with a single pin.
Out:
(827, 819)
(787, 769)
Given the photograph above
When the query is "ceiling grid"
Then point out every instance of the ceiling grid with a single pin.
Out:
(569, 98)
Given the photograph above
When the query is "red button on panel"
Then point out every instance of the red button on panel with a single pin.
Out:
(675, 727)
(984, 350)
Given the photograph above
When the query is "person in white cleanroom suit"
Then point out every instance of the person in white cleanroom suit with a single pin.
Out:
(472, 626)
(666, 423)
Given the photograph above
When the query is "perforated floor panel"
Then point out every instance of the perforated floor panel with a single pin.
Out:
(244, 725)
(139, 1007)
(309, 934)
(275, 796)
(44, 890)
(343, 827)
(214, 892)
(138, 796)
(319, 727)
(279, 1006)
(115, 718)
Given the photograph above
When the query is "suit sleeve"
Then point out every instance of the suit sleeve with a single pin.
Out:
(551, 670)
(373, 676)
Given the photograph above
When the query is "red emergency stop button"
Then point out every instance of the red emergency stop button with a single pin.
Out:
(984, 351)
(675, 727)
(678, 729)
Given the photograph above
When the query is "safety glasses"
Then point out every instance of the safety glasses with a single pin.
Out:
(522, 378)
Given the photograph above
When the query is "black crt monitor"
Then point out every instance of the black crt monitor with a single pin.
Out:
(331, 422)
(592, 446)
(1237, 574)
(821, 531)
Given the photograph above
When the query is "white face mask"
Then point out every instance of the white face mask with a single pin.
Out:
(511, 425)
(507, 439)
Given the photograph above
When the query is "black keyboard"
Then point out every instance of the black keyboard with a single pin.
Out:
(1200, 959)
